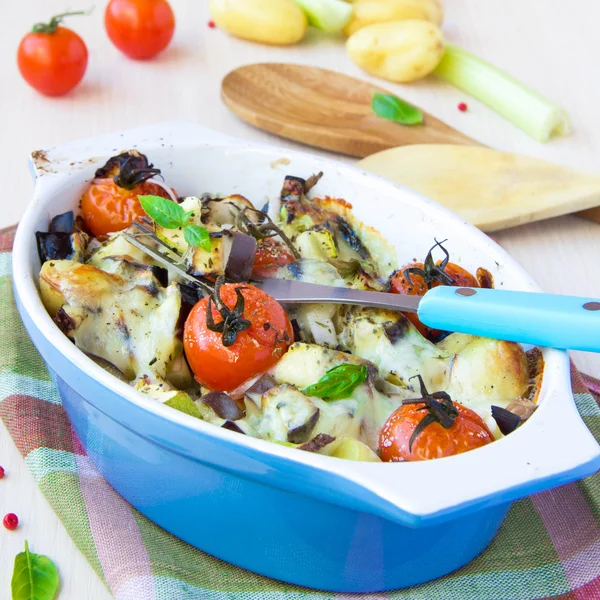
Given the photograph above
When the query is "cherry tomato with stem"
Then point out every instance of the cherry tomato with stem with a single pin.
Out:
(110, 203)
(415, 279)
(431, 427)
(51, 58)
(139, 28)
(234, 334)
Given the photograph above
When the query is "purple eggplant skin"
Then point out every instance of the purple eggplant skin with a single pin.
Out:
(263, 384)
(64, 223)
(317, 443)
(298, 336)
(300, 434)
(190, 293)
(506, 420)
(161, 274)
(241, 257)
(232, 427)
(54, 246)
(224, 405)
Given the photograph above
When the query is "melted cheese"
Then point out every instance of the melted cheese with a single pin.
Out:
(391, 342)
(131, 324)
(361, 415)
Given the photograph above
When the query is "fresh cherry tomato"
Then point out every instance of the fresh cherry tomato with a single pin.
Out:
(110, 203)
(52, 59)
(270, 255)
(415, 279)
(257, 347)
(139, 28)
(468, 432)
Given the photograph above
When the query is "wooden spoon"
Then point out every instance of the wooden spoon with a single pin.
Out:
(328, 110)
(323, 108)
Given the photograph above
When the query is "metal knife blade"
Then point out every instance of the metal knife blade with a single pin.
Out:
(299, 292)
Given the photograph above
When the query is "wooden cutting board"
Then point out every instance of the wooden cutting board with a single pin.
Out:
(332, 111)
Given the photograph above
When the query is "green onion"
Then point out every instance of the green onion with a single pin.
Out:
(528, 110)
(327, 15)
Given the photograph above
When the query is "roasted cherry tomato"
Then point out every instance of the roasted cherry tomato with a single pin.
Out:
(52, 59)
(249, 333)
(270, 255)
(417, 278)
(139, 28)
(434, 428)
(110, 203)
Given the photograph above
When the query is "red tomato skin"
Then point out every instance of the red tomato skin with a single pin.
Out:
(270, 256)
(107, 208)
(139, 28)
(400, 285)
(254, 351)
(52, 63)
(468, 432)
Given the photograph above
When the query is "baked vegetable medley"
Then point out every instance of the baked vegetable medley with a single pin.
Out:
(198, 333)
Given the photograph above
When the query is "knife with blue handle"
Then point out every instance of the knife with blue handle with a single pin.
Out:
(565, 322)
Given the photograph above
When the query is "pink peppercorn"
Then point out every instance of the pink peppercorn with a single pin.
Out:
(212, 24)
(10, 521)
(463, 107)
(1, 472)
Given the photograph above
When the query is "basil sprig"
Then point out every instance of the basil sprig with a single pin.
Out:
(389, 107)
(338, 383)
(170, 215)
(34, 577)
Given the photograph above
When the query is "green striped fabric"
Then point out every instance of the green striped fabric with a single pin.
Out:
(548, 547)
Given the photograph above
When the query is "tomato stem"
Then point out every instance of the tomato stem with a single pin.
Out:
(430, 271)
(439, 407)
(232, 321)
(55, 21)
(265, 228)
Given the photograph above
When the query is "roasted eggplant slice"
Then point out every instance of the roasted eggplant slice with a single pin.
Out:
(317, 443)
(240, 258)
(223, 405)
(232, 427)
(506, 420)
(300, 433)
(64, 223)
(61, 246)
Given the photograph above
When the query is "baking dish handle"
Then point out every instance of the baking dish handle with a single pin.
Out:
(59, 161)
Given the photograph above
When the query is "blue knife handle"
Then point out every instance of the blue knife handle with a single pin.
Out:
(565, 322)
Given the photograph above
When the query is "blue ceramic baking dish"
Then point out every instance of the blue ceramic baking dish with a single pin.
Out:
(299, 517)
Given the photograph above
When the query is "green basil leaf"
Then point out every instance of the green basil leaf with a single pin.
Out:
(195, 235)
(163, 212)
(338, 383)
(35, 577)
(394, 109)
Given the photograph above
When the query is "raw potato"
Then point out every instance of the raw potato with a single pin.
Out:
(368, 12)
(399, 51)
(276, 22)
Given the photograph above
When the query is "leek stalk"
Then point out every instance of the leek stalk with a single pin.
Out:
(528, 110)
(327, 15)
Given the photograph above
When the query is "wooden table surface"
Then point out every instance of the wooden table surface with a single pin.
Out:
(551, 45)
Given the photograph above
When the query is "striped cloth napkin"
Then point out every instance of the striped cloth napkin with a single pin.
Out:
(548, 547)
